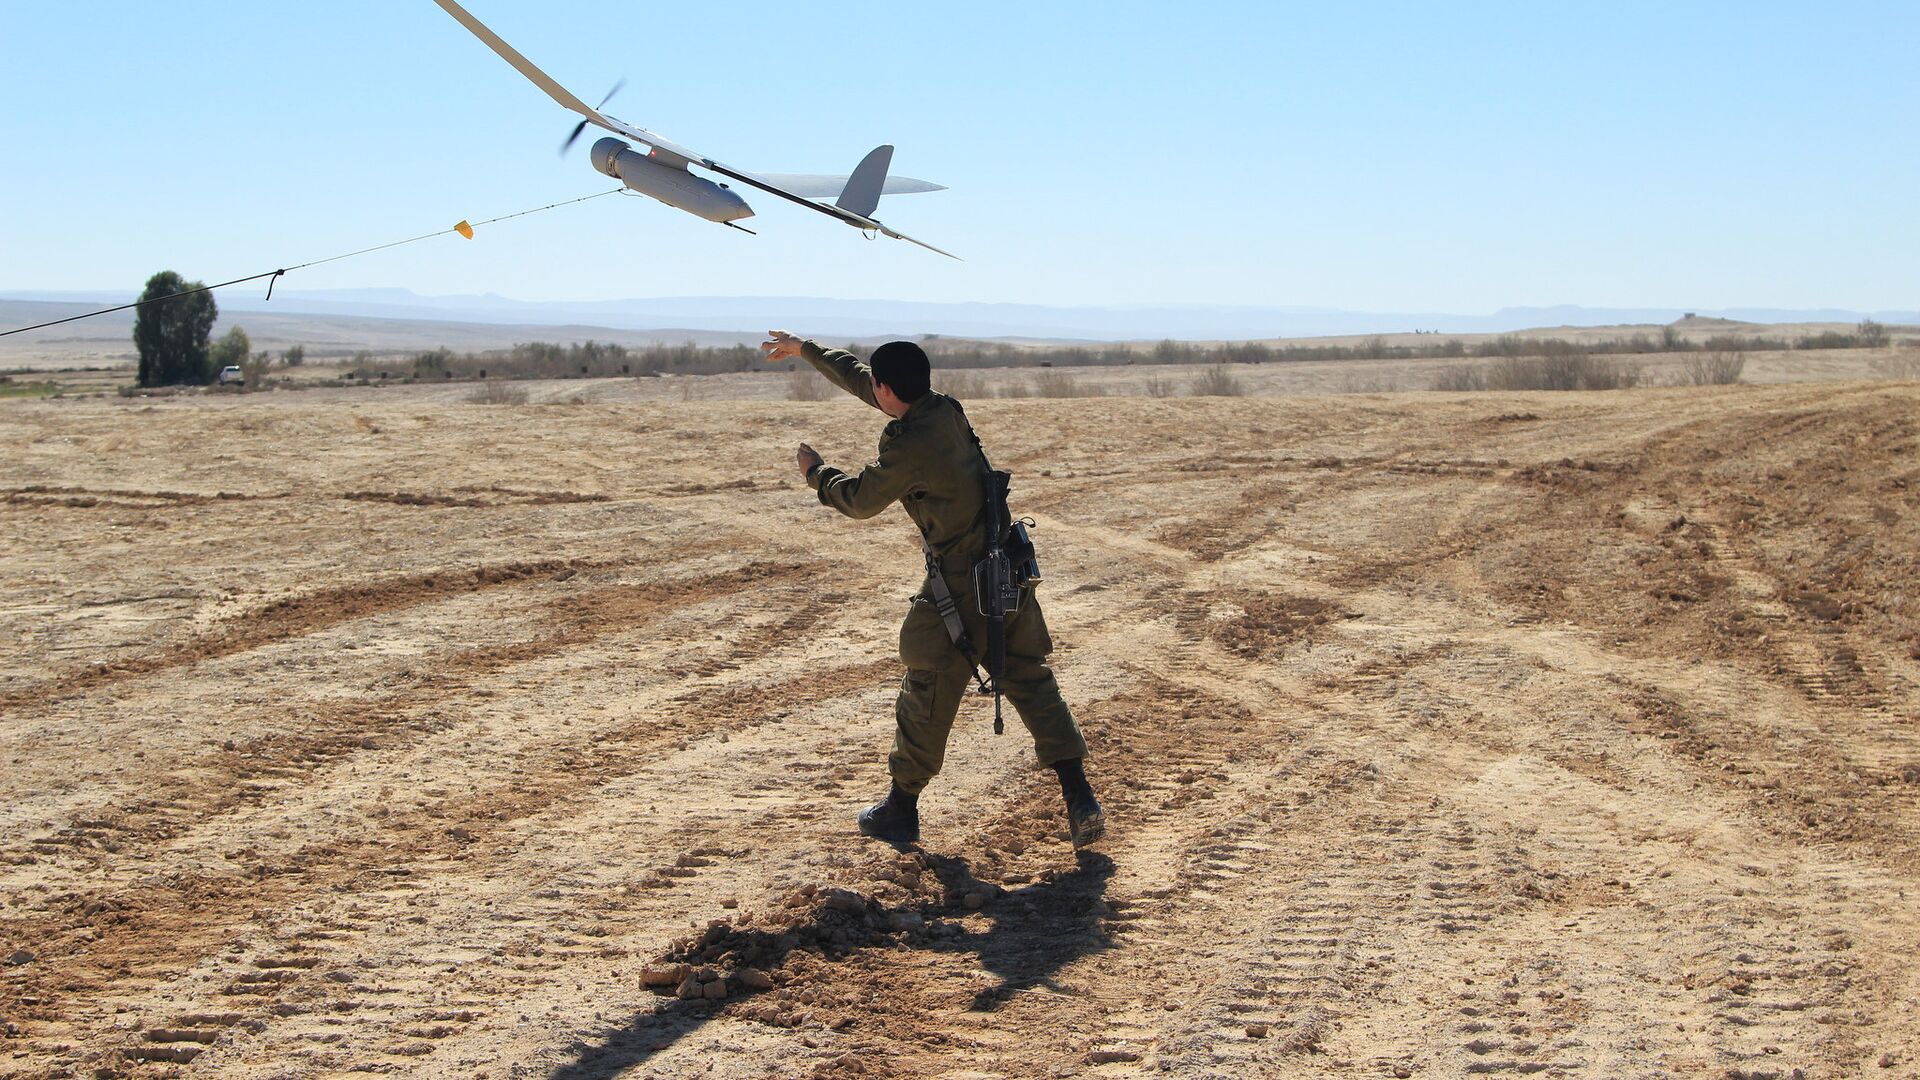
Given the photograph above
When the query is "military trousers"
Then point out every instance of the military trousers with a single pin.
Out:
(939, 677)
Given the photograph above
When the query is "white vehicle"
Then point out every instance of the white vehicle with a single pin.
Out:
(231, 374)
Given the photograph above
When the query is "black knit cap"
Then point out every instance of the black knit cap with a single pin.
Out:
(903, 367)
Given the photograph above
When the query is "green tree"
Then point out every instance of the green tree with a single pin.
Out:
(171, 335)
(232, 349)
(295, 355)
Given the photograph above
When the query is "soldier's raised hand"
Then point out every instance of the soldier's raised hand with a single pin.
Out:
(807, 457)
(784, 346)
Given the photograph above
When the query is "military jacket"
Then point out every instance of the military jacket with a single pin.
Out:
(928, 462)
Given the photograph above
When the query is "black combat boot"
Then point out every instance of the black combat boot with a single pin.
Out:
(1086, 822)
(896, 819)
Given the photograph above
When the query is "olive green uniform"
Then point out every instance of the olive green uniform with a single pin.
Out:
(930, 464)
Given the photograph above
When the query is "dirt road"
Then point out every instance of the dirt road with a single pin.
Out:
(1574, 735)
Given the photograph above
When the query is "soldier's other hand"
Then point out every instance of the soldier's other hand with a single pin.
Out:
(784, 346)
(807, 457)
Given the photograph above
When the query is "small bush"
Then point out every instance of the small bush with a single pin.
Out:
(1217, 381)
(806, 384)
(1740, 343)
(1828, 339)
(1867, 335)
(1460, 377)
(965, 385)
(1713, 369)
(253, 370)
(497, 392)
(1158, 387)
(1572, 372)
(1061, 384)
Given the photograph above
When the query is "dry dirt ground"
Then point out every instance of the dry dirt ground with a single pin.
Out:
(1440, 735)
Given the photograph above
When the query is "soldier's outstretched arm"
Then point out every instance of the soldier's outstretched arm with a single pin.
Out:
(838, 365)
(872, 489)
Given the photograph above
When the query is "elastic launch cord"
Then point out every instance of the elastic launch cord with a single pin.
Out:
(277, 274)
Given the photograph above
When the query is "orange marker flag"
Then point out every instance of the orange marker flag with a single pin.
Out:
(464, 229)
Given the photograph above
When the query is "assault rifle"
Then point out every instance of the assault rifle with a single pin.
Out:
(993, 584)
(998, 578)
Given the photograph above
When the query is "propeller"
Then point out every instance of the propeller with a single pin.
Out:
(582, 125)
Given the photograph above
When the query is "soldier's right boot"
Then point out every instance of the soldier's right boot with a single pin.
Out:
(1086, 822)
(895, 819)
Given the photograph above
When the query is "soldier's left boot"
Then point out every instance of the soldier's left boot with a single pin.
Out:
(896, 819)
(1086, 822)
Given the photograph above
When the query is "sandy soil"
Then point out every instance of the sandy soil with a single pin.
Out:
(1574, 735)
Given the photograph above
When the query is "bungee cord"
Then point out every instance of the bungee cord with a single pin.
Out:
(464, 228)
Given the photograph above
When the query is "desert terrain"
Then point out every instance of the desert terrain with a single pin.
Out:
(378, 731)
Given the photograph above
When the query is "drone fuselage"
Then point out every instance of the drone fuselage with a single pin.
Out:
(669, 181)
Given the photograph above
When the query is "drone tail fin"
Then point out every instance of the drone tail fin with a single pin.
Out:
(862, 193)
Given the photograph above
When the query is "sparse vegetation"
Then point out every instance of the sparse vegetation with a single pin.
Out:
(11, 389)
(1370, 383)
(1217, 381)
(806, 384)
(1713, 369)
(494, 392)
(1743, 343)
(1570, 372)
(965, 385)
(1867, 335)
(1903, 365)
(1048, 383)
(951, 356)
(1460, 378)
(253, 369)
(435, 362)
(1161, 388)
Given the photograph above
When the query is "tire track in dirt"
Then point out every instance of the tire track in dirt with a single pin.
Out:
(51, 495)
(1451, 839)
(451, 873)
(296, 616)
(117, 940)
(484, 498)
(248, 774)
(1019, 859)
(1176, 801)
(237, 776)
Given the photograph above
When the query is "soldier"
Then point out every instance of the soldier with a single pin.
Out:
(931, 463)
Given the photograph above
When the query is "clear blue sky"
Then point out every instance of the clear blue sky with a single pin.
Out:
(1408, 157)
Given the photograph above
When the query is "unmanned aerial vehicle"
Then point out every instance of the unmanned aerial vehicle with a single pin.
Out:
(663, 173)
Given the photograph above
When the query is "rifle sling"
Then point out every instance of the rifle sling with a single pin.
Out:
(949, 610)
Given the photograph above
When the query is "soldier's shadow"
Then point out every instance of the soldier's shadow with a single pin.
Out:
(1032, 932)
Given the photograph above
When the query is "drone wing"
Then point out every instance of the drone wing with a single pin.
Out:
(663, 148)
(824, 186)
(521, 64)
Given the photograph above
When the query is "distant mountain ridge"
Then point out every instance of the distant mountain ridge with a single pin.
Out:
(827, 317)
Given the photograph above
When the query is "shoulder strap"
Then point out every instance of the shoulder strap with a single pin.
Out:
(972, 434)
